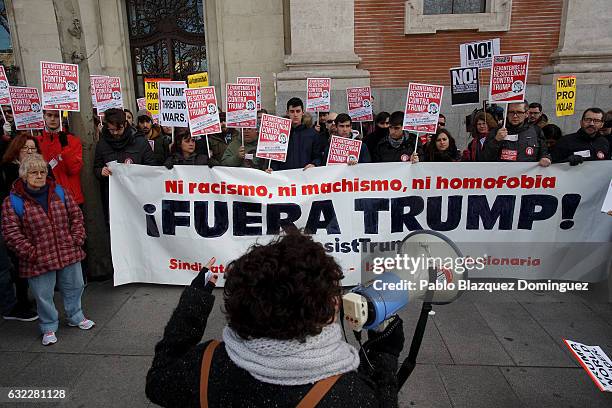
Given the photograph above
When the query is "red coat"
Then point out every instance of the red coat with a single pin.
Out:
(67, 172)
(43, 242)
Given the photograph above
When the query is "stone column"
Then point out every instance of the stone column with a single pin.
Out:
(585, 46)
(322, 45)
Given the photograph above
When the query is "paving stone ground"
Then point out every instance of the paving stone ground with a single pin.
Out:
(484, 350)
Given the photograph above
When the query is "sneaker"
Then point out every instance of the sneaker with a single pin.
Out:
(49, 338)
(23, 315)
(86, 324)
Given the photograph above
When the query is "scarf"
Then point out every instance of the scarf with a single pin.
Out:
(396, 143)
(291, 362)
(118, 144)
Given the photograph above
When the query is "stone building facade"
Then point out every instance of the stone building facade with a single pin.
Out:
(385, 44)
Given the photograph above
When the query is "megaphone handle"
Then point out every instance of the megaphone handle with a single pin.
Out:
(410, 362)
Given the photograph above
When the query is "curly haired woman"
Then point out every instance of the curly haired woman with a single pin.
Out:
(282, 345)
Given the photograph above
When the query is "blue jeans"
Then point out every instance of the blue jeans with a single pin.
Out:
(7, 293)
(70, 283)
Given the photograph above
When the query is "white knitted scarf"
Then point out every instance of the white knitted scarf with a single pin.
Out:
(290, 362)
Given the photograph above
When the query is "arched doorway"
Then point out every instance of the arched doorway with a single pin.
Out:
(166, 39)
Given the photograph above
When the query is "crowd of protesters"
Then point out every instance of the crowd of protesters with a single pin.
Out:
(42, 223)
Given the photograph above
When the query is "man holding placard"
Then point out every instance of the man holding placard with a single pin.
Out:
(518, 141)
(349, 151)
(399, 146)
(304, 150)
(64, 153)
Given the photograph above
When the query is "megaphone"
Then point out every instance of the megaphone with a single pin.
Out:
(433, 278)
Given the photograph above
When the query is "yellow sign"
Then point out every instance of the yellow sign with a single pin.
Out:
(197, 80)
(565, 100)
(152, 95)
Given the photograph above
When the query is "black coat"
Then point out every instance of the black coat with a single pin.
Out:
(193, 160)
(384, 152)
(530, 146)
(174, 377)
(598, 147)
(131, 148)
(304, 148)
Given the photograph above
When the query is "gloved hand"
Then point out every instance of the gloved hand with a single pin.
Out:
(575, 160)
(206, 279)
(390, 340)
(169, 165)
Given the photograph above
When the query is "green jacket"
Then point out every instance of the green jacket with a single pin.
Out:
(231, 159)
(218, 145)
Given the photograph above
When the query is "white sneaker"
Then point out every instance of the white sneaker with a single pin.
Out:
(49, 338)
(86, 324)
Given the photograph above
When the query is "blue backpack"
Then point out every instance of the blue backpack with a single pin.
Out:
(17, 202)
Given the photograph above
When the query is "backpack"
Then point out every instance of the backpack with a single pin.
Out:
(17, 202)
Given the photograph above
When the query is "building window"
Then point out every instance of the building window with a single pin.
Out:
(166, 39)
(6, 47)
(453, 6)
(430, 16)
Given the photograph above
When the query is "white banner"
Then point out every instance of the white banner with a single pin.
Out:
(527, 222)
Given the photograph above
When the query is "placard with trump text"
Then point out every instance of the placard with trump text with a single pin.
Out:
(318, 94)
(27, 109)
(359, 102)
(274, 134)
(5, 96)
(565, 95)
(241, 105)
(152, 96)
(202, 110)
(60, 86)
(343, 150)
(252, 81)
(422, 111)
(108, 93)
(509, 78)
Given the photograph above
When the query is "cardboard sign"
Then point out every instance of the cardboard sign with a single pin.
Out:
(509, 78)
(343, 150)
(318, 95)
(253, 81)
(108, 94)
(152, 96)
(422, 107)
(479, 54)
(93, 89)
(202, 111)
(27, 108)
(141, 103)
(197, 80)
(5, 96)
(359, 102)
(565, 97)
(241, 105)
(172, 104)
(595, 362)
(465, 86)
(274, 133)
(60, 86)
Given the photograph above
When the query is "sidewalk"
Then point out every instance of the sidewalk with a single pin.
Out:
(484, 350)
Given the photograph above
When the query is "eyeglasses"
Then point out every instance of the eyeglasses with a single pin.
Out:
(37, 173)
(28, 149)
(591, 120)
(516, 113)
(329, 122)
(441, 124)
